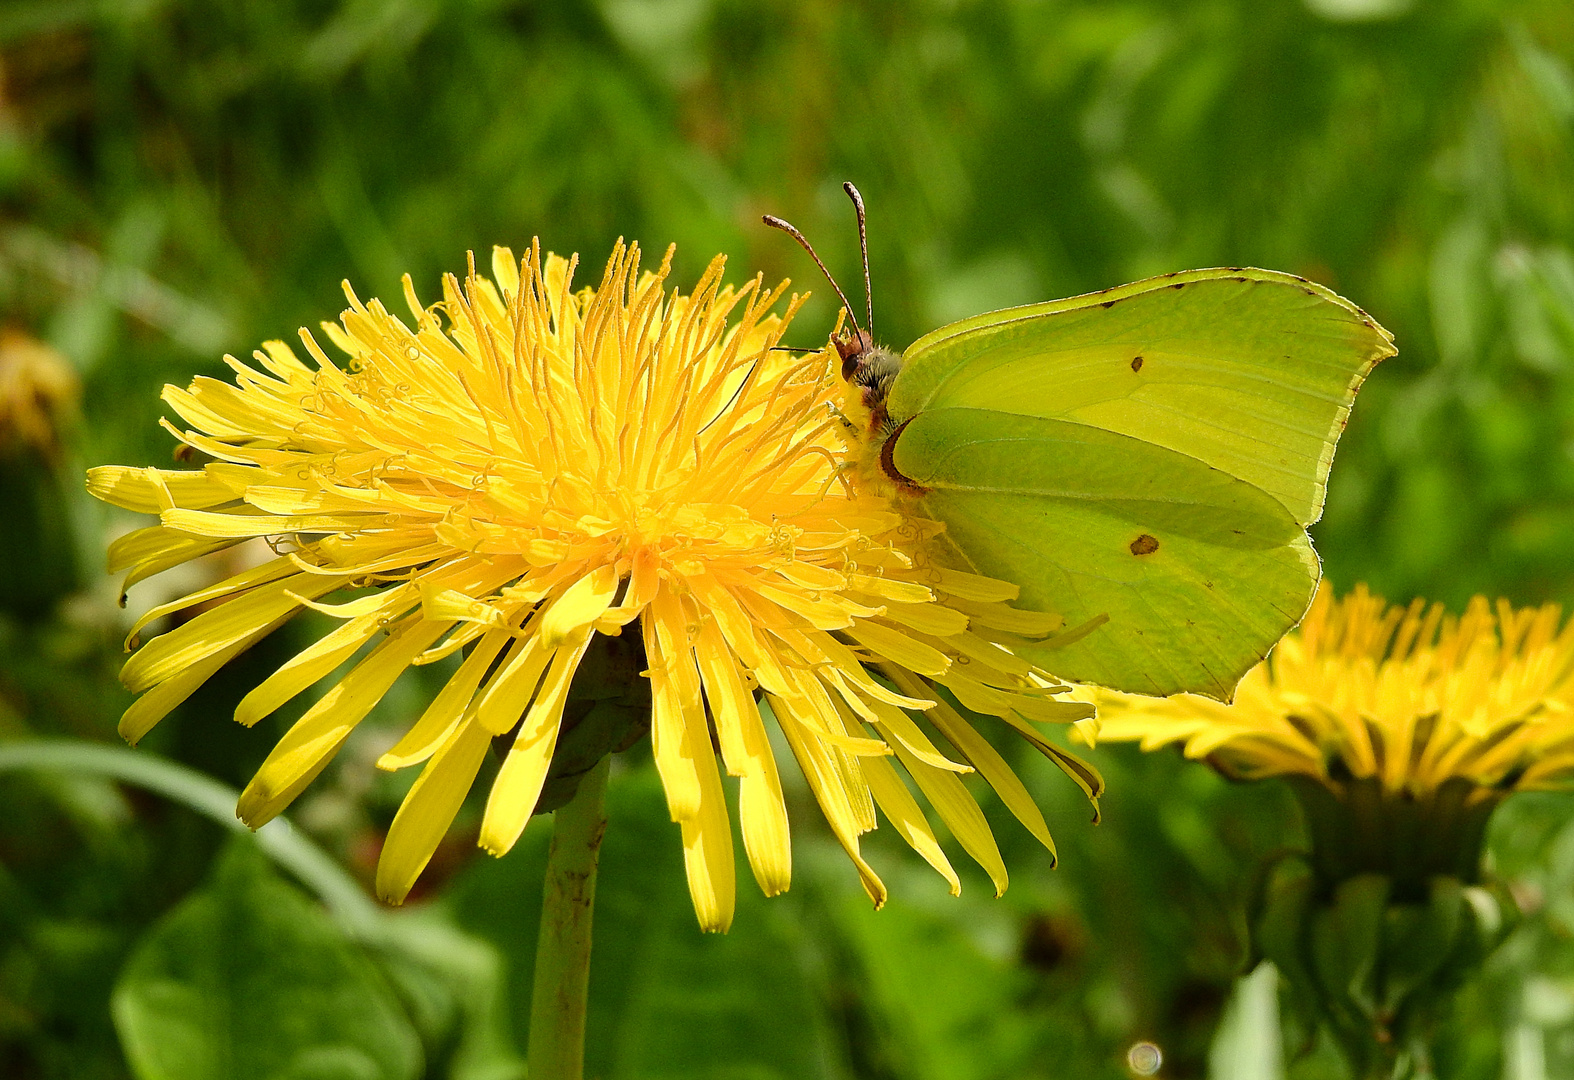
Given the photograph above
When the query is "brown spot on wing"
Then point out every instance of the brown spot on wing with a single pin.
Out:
(1144, 545)
(1136, 363)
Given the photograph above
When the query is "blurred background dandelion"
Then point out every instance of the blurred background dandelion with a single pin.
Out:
(180, 179)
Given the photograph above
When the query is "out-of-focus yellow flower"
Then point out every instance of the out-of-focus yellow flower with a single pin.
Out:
(529, 466)
(1399, 731)
(1411, 698)
(38, 390)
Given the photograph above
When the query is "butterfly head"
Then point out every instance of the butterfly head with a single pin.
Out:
(870, 370)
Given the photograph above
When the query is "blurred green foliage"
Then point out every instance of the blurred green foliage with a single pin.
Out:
(179, 179)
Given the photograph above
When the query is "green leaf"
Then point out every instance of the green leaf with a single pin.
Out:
(1346, 942)
(453, 987)
(1249, 1044)
(249, 980)
(1281, 932)
(666, 1000)
(943, 1007)
(1419, 939)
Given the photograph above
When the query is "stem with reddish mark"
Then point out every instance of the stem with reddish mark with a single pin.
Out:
(562, 981)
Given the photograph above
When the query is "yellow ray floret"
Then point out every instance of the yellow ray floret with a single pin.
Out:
(1411, 697)
(524, 466)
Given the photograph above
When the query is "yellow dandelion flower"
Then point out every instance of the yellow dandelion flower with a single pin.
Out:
(528, 466)
(1399, 731)
(1409, 699)
(38, 390)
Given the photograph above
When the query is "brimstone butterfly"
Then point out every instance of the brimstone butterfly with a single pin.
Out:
(1152, 453)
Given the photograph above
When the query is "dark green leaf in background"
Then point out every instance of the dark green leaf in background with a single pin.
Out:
(248, 979)
(666, 1001)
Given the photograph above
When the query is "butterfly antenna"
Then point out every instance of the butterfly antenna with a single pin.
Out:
(803, 242)
(863, 247)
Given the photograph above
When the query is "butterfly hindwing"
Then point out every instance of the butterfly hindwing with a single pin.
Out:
(1198, 572)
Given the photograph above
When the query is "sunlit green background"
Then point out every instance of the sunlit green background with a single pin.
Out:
(183, 178)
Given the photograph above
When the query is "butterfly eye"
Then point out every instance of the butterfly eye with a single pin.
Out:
(852, 346)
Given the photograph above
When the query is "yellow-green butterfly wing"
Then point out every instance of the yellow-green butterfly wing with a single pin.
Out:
(1152, 453)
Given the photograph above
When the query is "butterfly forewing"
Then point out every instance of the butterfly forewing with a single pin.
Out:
(1249, 371)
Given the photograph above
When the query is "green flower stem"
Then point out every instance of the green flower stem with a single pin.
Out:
(562, 982)
(358, 914)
